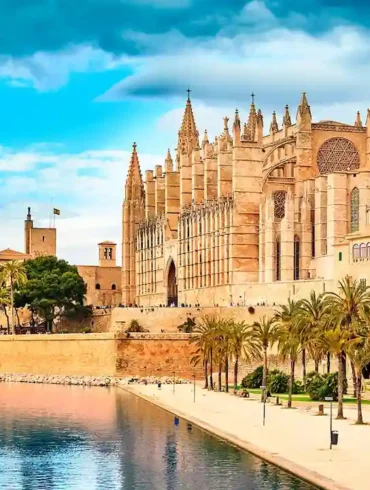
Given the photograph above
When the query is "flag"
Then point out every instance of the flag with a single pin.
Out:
(56, 211)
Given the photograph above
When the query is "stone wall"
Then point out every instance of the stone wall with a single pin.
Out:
(97, 355)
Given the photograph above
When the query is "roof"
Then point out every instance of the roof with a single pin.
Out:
(9, 254)
(107, 243)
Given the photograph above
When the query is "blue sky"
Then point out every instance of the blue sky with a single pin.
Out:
(80, 81)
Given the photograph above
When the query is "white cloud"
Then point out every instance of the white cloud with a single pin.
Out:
(90, 204)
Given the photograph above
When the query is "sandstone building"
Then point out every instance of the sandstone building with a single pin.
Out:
(250, 217)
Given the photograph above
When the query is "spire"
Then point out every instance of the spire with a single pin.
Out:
(287, 121)
(134, 182)
(304, 108)
(259, 127)
(236, 119)
(236, 128)
(358, 121)
(168, 163)
(250, 128)
(274, 127)
(188, 134)
(205, 139)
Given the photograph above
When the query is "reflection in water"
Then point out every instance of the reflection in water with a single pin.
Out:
(75, 438)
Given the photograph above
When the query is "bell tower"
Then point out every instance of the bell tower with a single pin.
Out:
(107, 254)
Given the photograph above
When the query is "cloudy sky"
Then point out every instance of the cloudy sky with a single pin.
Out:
(81, 80)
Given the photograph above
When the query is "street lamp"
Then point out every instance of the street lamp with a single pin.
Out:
(333, 433)
(174, 378)
(263, 388)
(194, 387)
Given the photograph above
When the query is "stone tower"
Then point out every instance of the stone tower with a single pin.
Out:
(133, 213)
(39, 241)
(107, 254)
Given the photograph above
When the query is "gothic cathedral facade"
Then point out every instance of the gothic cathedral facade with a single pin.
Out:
(249, 218)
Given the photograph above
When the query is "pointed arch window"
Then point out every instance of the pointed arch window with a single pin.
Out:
(356, 251)
(355, 210)
(296, 257)
(279, 204)
(278, 259)
(363, 251)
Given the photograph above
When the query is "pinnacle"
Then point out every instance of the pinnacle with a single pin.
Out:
(358, 121)
(304, 107)
(274, 127)
(188, 134)
(287, 121)
(134, 177)
(205, 137)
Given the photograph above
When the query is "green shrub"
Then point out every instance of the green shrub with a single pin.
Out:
(86, 330)
(298, 387)
(253, 380)
(278, 382)
(321, 386)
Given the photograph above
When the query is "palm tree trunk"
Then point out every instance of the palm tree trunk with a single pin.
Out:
(12, 306)
(227, 373)
(328, 363)
(291, 382)
(236, 367)
(7, 319)
(205, 374)
(17, 316)
(304, 370)
(316, 366)
(264, 374)
(211, 370)
(340, 387)
(354, 379)
(220, 376)
(360, 420)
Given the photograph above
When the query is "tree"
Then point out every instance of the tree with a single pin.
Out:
(335, 341)
(205, 343)
(311, 321)
(348, 309)
(243, 346)
(289, 343)
(13, 273)
(266, 333)
(54, 288)
(359, 352)
(4, 303)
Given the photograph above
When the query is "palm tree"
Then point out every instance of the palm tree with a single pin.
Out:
(348, 308)
(266, 333)
(311, 323)
(14, 274)
(359, 352)
(243, 345)
(335, 341)
(4, 302)
(289, 343)
(205, 341)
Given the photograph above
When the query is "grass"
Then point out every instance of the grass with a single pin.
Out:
(303, 397)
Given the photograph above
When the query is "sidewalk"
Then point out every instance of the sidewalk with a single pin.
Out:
(296, 440)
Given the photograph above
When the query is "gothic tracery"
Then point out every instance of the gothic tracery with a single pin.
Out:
(337, 154)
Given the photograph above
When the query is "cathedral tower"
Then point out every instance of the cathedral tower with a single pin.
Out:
(133, 212)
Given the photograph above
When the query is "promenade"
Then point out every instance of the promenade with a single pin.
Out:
(296, 440)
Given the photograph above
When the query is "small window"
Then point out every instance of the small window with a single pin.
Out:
(340, 256)
(114, 287)
(97, 286)
(43, 238)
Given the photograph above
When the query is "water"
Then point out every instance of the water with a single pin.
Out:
(75, 438)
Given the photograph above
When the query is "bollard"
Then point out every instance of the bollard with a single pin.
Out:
(321, 410)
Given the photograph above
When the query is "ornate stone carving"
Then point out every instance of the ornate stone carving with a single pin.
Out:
(337, 154)
(332, 126)
(279, 204)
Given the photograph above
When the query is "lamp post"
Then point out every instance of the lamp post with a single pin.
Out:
(174, 378)
(263, 388)
(333, 434)
(194, 387)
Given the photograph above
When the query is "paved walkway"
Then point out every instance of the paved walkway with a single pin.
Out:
(296, 440)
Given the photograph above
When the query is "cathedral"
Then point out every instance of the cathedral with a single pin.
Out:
(253, 217)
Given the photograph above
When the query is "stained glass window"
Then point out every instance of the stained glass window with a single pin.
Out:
(279, 204)
(355, 209)
(296, 257)
(337, 154)
(278, 259)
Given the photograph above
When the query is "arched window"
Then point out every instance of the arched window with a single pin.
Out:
(279, 204)
(296, 257)
(97, 286)
(356, 251)
(363, 251)
(368, 250)
(355, 210)
(337, 154)
(278, 259)
(114, 287)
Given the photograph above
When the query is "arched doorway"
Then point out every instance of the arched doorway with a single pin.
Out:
(172, 285)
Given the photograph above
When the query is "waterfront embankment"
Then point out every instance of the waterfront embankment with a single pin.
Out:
(296, 440)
